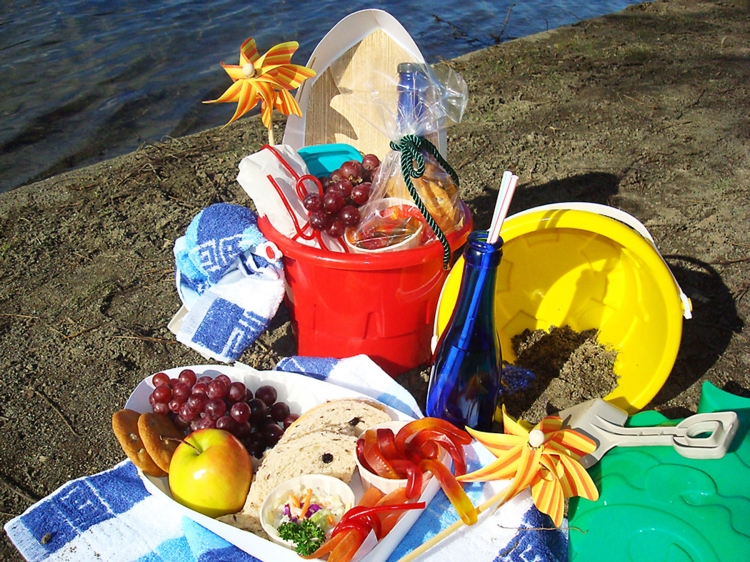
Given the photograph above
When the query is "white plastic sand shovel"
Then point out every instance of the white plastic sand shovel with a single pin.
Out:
(700, 436)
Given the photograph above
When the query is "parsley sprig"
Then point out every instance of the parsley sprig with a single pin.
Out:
(306, 535)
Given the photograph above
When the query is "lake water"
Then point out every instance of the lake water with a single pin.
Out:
(86, 80)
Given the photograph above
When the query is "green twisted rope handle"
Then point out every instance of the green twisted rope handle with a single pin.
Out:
(413, 166)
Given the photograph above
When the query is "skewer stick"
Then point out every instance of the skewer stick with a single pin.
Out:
(424, 547)
(494, 232)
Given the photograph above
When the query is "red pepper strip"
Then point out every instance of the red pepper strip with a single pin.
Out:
(413, 476)
(360, 511)
(453, 490)
(374, 457)
(389, 520)
(458, 435)
(428, 436)
(387, 443)
(354, 511)
(359, 525)
(326, 547)
(361, 517)
(371, 517)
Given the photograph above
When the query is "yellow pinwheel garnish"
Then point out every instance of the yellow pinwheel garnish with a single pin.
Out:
(266, 79)
(544, 458)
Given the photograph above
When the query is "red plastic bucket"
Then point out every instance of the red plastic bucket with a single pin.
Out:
(379, 305)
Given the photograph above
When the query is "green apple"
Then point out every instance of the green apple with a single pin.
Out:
(210, 472)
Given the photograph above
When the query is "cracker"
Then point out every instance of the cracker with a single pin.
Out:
(125, 426)
(160, 436)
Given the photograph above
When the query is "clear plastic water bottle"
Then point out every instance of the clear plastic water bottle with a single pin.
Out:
(466, 371)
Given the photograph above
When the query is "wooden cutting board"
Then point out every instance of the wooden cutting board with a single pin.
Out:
(369, 44)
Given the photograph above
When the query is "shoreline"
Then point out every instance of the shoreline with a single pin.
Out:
(645, 110)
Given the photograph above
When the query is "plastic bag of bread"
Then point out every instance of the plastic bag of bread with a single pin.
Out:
(391, 220)
(415, 120)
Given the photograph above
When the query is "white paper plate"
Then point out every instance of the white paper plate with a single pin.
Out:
(301, 393)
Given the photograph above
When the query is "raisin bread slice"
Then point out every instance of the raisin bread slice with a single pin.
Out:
(346, 416)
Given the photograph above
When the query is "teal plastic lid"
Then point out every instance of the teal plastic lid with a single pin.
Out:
(659, 506)
(322, 159)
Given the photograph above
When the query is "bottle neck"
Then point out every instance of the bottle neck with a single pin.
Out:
(475, 305)
(480, 254)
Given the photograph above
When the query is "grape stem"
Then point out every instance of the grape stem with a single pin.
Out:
(188, 443)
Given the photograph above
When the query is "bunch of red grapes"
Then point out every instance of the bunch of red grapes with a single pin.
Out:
(344, 192)
(194, 403)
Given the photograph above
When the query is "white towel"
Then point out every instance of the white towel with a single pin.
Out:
(235, 278)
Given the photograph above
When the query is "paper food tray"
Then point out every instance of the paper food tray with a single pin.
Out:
(301, 393)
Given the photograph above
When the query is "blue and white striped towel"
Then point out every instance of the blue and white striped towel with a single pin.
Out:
(235, 276)
(110, 516)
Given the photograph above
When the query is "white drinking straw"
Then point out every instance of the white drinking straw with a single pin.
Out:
(499, 203)
(504, 198)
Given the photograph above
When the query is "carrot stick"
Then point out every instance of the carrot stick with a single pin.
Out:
(397, 496)
(306, 504)
(293, 500)
(347, 548)
(326, 547)
(371, 497)
(389, 520)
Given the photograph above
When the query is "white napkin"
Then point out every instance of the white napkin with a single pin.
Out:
(270, 177)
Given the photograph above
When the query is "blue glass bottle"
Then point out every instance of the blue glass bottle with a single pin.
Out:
(466, 371)
(415, 101)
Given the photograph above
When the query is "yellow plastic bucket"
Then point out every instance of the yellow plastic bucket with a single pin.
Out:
(587, 266)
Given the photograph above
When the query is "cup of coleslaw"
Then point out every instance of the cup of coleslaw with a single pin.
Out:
(321, 499)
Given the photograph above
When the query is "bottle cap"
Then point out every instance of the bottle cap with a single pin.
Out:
(410, 67)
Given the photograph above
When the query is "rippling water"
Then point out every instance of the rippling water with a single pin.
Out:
(82, 80)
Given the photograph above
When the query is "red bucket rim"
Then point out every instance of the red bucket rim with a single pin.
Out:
(386, 260)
